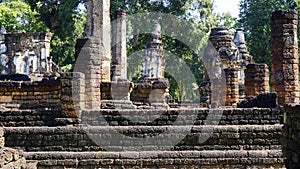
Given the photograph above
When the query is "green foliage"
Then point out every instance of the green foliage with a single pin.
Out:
(174, 88)
(16, 15)
(67, 68)
(63, 44)
(255, 18)
(227, 21)
(297, 2)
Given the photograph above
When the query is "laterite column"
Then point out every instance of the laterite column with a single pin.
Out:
(284, 56)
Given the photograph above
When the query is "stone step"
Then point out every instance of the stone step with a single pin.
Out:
(99, 138)
(52, 115)
(160, 159)
(197, 116)
(42, 117)
(35, 114)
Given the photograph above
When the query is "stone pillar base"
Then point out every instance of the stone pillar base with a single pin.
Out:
(115, 95)
(151, 92)
(284, 56)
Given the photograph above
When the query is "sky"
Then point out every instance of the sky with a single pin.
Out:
(224, 6)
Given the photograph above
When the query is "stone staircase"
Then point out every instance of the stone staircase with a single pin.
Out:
(241, 138)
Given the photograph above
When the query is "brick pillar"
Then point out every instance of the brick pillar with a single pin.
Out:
(284, 56)
(102, 31)
(220, 37)
(2, 139)
(93, 51)
(256, 79)
(290, 140)
(232, 86)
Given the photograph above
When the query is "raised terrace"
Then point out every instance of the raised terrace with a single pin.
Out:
(97, 118)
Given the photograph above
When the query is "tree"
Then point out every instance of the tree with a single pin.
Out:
(227, 21)
(65, 21)
(16, 15)
(255, 18)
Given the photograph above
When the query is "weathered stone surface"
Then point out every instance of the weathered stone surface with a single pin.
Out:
(75, 139)
(162, 159)
(72, 95)
(240, 42)
(14, 77)
(153, 59)
(244, 57)
(221, 55)
(116, 95)
(42, 117)
(256, 131)
(39, 103)
(232, 86)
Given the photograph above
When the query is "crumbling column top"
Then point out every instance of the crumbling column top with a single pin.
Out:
(219, 30)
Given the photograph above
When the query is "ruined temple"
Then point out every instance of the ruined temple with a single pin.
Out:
(230, 61)
(94, 117)
(26, 53)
